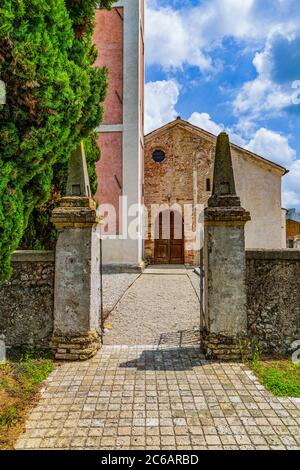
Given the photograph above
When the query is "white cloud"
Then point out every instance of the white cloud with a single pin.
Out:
(293, 177)
(170, 42)
(291, 186)
(273, 146)
(176, 37)
(161, 98)
(269, 144)
(204, 121)
(188, 36)
(262, 97)
(290, 199)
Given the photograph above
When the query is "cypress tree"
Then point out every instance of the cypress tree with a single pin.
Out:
(53, 101)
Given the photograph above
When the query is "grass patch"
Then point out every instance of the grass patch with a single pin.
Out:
(19, 385)
(280, 377)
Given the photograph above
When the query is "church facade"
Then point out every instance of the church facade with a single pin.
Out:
(182, 178)
(166, 177)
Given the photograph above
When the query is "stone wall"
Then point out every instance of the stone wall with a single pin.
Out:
(273, 298)
(26, 300)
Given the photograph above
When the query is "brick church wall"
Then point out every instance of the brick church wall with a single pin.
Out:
(173, 180)
(181, 178)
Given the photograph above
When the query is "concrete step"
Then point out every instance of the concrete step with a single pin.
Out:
(166, 269)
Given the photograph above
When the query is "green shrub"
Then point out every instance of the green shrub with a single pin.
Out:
(281, 377)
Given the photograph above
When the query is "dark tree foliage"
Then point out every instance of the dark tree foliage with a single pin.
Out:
(54, 97)
(40, 233)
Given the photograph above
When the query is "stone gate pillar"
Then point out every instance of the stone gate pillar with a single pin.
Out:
(77, 267)
(225, 266)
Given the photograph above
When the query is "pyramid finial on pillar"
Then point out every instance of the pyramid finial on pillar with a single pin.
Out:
(78, 178)
(77, 267)
(224, 193)
(225, 262)
(77, 206)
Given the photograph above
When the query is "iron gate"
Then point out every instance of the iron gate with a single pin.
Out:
(202, 295)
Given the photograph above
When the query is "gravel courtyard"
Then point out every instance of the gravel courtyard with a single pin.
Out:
(161, 307)
(114, 287)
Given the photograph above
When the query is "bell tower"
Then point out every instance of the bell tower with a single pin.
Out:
(119, 38)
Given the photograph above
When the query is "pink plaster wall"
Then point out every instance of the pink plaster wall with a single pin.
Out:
(108, 38)
(142, 77)
(142, 97)
(109, 171)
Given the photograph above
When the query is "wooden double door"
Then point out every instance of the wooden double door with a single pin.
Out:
(169, 244)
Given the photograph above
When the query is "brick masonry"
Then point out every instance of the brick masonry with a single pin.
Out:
(292, 229)
(172, 181)
(26, 300)
(181, 178)
(293, 233)
(273, 299)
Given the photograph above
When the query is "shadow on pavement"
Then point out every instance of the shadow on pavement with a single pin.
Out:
(176, 359)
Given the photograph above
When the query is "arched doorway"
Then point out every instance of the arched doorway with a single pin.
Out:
(169, 242)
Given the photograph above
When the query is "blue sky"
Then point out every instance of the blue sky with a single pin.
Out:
(233, 65)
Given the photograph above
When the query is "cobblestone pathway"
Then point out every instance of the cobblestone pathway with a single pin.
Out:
(153, 394)
(136, 397)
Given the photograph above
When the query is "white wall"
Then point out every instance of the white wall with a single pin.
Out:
(259, 188)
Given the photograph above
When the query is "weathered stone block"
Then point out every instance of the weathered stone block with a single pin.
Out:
(27, 300)
(80, 347)
(273, 299)
(77, 281)
(77, 267)
(226, 271)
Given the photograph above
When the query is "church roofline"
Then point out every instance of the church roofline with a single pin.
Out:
(191, 127)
